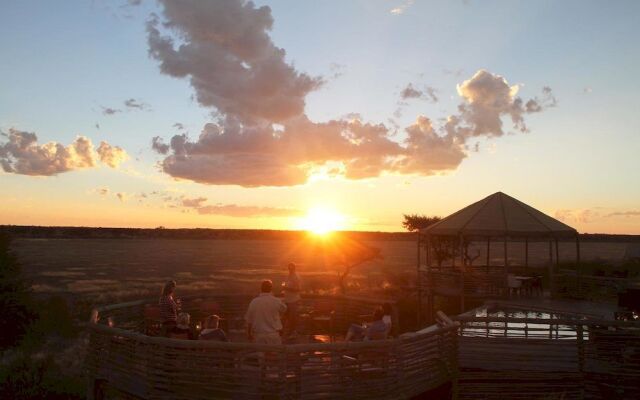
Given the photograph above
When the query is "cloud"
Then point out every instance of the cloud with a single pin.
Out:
(402, 7)
(262, 136)
(103, 191)
(21, 154)
(226, 53)
(130, 104)
(110, 111)
(136, 104)
(113, 156)
(194, 203)
(410, 92)
(577, 216)
(488, 98)
(159, 146)
(628, 213)
(122, 196)
(234, 210)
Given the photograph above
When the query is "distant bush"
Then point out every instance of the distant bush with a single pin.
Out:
(30, 376)
(15, 298)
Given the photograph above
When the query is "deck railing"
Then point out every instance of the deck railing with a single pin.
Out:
(122, 362)
(526, 358)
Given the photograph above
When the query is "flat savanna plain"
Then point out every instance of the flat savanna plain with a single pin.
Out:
(111, 270)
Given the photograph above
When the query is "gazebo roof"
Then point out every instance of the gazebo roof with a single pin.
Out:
(499, 215)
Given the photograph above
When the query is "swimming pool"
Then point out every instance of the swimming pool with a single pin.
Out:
(498, 320)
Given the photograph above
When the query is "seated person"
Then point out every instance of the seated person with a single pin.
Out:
(211, 330)
(182, 330)
(376, 330)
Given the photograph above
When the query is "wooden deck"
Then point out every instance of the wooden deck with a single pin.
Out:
(124, 363)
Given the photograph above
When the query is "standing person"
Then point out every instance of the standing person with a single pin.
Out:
(292, 291)
(168, 307)
(263, 316)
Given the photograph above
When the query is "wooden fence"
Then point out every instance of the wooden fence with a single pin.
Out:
(530, 358)
(124, 363)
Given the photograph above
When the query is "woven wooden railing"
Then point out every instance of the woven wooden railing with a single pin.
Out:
(123, 363)
(531, 358)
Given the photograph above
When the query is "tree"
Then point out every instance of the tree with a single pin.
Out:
(415, 222)
(443, 247)
(15, 297)
(356, 258)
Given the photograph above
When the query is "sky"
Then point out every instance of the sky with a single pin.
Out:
(275, 114)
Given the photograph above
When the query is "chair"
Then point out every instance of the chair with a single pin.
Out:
(536, 286)
(514, 285)
(322, 316)
(152, 320)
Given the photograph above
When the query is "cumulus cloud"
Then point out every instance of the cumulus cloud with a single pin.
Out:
(411, 92)
(262, 136)
(488, 98)
(21, 154)
(113, 156)
(234, 210)
(225, 51)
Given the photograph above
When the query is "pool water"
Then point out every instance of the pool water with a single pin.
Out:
(539, 324)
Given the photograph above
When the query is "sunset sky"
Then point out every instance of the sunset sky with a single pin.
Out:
(232, 114)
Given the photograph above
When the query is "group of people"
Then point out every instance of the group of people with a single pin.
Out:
(263, 316)
(178, 324)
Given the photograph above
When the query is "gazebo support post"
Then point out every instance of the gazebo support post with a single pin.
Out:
(551, 277)
(462, 268)
(578, 263)
(526, 254)
(419, 282)
(488, 251)
(430, 295)
(506, 266)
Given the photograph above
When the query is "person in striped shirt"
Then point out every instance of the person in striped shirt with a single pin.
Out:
(169, 307)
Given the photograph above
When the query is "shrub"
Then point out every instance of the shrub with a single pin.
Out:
(15, 298)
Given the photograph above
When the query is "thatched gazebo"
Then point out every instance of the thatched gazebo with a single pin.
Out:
(496, 218)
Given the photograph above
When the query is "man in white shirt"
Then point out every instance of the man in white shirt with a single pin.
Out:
(292, 291)
(263, 316)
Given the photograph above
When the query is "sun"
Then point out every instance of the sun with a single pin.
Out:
(322, 221)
